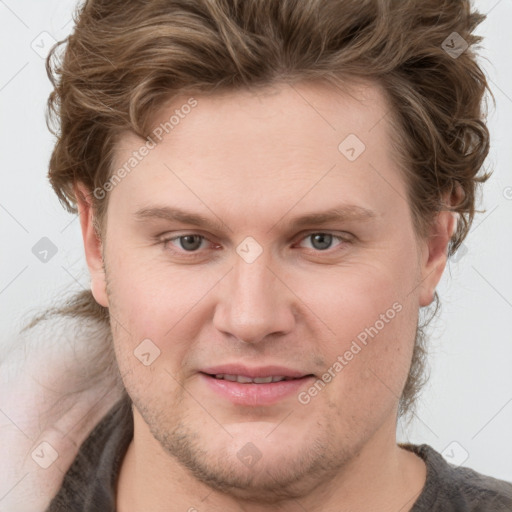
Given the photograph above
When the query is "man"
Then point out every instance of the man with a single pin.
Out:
(267, 193)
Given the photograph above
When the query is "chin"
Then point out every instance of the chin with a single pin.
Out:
(255, 464)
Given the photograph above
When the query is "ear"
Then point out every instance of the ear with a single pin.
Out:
(92, 244)
(435, 254)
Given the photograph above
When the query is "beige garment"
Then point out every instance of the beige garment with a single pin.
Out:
(40, 435)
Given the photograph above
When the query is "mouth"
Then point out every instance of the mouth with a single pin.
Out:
(243, 379)
(247, 390)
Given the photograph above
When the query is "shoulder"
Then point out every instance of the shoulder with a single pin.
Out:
(459, 489)
(89, 483)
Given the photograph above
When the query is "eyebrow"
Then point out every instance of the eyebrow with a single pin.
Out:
(344, 212)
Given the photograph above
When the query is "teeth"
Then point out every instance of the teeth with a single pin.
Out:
(246, 380)
(263, 380)
(243, 380)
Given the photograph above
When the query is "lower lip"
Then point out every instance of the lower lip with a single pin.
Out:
(256, 394)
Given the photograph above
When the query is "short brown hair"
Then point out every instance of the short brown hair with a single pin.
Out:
(126, 58)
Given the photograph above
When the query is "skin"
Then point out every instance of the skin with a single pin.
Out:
(255, 161)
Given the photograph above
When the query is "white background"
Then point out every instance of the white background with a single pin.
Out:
(467, 405)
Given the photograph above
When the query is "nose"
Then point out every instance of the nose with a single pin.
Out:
(254, 302)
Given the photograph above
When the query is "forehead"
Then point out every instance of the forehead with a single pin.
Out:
(262, 147)
(296, 110)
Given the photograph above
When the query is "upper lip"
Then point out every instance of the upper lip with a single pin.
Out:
(259, 371)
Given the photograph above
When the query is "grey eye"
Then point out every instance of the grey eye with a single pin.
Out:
(321, 241)
(190, 242)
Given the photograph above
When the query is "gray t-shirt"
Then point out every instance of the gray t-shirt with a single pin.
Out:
(89, 484)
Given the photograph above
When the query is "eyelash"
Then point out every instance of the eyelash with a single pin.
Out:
(164, 240)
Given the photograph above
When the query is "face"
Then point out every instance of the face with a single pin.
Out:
(260, 287)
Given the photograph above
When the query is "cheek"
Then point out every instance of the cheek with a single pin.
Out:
(378, 355)
(167, 305)
(367, 389)
(374, 316)
(352, 299)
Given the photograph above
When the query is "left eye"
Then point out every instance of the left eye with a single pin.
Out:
(322, 241)
(188, 242)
